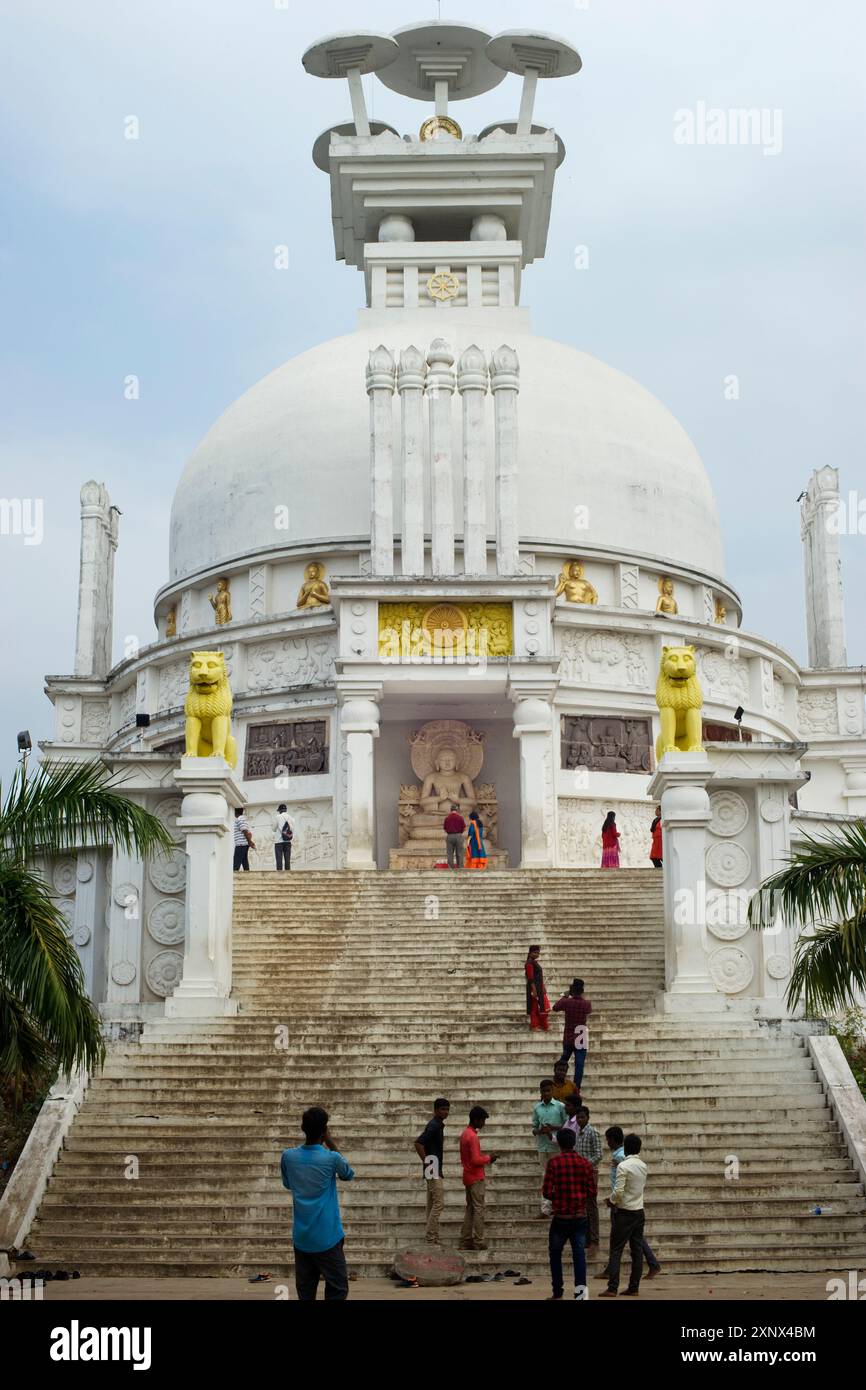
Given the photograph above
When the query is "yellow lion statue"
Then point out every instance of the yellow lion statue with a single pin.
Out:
(208, 709)
(679, 698)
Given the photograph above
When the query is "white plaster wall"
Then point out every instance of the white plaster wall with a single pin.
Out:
(823, 792)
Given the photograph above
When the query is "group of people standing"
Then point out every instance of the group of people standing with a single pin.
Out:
(610, 838)
(472, 851)
(244, 842)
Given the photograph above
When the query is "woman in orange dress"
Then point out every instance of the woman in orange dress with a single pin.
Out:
(476, 853)
(537, 1002)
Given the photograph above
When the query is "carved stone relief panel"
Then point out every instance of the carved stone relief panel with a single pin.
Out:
(606, 744)
(580, 821)
(291, 749)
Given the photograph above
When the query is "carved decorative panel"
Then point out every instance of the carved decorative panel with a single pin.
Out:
(296, 749)
(604, 744)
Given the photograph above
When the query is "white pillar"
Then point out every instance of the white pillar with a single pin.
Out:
(206, 818)
(822, 515)
(505, 384)
(472, 383)
(680, 785)
(410, 384)
(359, 105)
(532, 726)
(381, 373)
(527, 101)
(359, 723)
(440, 389)
(99, 529)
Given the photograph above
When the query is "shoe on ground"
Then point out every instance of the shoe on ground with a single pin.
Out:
(608, 1293)
(553, 1297)
(480, 1245)
(630, 1293)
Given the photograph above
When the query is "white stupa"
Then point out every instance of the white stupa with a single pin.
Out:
(441, 468)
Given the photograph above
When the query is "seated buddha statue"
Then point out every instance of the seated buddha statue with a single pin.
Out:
(572, 583)
(666, 601)
(314, 591)
(446, 786)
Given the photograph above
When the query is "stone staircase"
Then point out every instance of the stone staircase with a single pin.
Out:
(372, 993)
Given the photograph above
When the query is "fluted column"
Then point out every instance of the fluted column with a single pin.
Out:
(472, 380)
(440, 389)
(505, 384)
(381, 373)
(99, 528)
(410, 384)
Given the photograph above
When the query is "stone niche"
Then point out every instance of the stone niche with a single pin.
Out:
(602, 743)
(450, 754)
(298, 748)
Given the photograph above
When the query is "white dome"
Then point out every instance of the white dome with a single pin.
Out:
(589, 437)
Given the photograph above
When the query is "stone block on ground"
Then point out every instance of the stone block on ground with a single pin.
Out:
(430, 1266)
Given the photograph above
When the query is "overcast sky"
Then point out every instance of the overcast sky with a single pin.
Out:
(154, 257)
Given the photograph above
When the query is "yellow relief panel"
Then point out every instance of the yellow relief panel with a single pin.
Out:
(445, 630)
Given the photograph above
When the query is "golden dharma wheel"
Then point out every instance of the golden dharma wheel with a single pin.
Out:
(443, 286)
(439, 125)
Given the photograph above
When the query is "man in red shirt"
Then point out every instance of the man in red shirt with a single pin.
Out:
(455, 828)
(577, 1010)
(569, 1181)
(474, 1162)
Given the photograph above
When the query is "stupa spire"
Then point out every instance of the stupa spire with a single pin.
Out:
(440, 217)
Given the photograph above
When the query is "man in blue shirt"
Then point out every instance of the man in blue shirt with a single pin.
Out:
(310, 1173)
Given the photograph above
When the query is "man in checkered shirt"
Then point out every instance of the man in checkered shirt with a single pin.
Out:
(569, 1184)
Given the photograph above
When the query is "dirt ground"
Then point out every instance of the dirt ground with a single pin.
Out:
(741, 1288)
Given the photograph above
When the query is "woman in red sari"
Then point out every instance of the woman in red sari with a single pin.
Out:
(609, 842)
(537, 1002)
(656, 852)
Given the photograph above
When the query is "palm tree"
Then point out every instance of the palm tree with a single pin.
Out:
(822, 886)
(46, 1018)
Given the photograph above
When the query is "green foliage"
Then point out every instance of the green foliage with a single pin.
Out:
(46, 1018)
(850, 1029)
(823, 890)
(20, 1102)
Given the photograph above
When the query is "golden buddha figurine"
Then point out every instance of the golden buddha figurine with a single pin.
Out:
(314, 590)
(446, 786)
(572, 583)
(721, 612)
(666, 601)
(171, 623)
(221, 603)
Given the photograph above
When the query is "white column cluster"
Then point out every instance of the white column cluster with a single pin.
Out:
(472, 381)
(440, 390)
(505, 384)
(435, 375)
(381, 381)
(410, 384)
